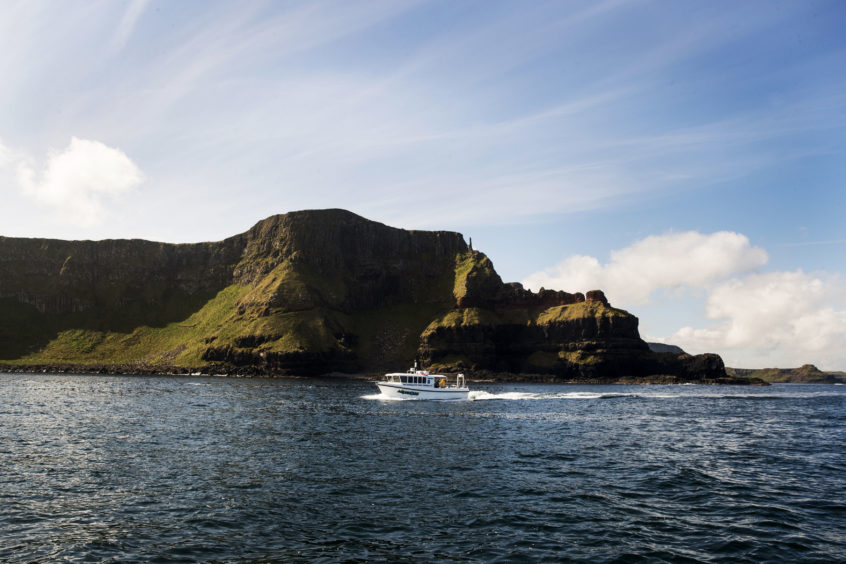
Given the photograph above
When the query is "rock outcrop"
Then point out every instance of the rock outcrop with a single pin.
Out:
(665, 348)
(306, 293)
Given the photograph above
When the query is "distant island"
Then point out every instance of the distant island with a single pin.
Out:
(307, 293)
(806, 374)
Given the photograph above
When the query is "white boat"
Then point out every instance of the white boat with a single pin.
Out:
(419, 384)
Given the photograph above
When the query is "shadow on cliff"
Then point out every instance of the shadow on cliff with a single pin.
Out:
(24, 330)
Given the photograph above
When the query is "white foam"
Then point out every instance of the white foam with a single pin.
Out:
(481, 395)
(381, 397)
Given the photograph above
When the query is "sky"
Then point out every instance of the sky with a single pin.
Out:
(688, 158)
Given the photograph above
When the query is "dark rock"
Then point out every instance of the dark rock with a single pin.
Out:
(596, 296)
(664, 348)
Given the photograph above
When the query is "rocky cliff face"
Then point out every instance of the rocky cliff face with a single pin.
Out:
(571, 337)
(306, 292)
(59, 277)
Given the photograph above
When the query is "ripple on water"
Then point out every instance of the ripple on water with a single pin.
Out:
(106, 468)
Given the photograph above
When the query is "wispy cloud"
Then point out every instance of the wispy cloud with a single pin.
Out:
(815, 243)
(133, 12)
(506, 113)
(5, 155)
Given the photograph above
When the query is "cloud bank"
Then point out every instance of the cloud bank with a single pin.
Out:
(79, 178)
(674, 260)
(758, 320)
(782, 319)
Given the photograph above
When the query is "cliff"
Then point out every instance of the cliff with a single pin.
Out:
(306, 293)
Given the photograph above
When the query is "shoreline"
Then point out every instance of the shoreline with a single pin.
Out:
(481, 377)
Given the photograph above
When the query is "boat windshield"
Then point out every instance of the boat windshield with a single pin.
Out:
(415, 379)
(424, 379)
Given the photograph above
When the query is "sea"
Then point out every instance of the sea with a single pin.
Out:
(179, 469)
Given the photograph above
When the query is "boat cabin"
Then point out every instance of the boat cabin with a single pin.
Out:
(420, 378)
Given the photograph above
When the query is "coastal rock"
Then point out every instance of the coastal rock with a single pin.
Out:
(665, 348)
(306, 292)
(596, 296)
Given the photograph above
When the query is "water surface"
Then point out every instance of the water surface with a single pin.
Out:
(109, 468)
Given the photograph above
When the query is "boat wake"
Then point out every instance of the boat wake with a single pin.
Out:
(482, 396)
(486, 396)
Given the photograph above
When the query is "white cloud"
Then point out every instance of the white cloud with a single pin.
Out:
(674, 260)
(77, 179)
(776, 319)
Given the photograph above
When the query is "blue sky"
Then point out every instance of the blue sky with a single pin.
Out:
(686, 157)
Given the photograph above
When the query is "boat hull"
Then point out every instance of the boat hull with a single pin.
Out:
(406, 392)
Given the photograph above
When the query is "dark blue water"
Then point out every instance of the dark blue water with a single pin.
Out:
(103, 469)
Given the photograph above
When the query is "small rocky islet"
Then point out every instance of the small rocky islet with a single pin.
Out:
(309, 293)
